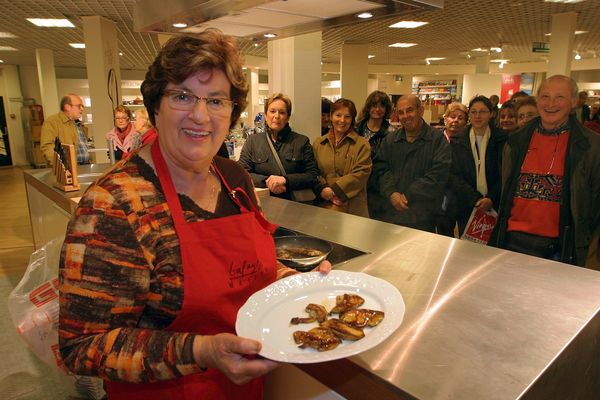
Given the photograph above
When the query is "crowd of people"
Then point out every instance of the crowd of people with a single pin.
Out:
(149, 282)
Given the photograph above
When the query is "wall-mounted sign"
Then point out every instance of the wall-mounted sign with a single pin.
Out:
(540, 47)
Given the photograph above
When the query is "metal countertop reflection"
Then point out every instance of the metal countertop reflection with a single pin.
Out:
(480, 322)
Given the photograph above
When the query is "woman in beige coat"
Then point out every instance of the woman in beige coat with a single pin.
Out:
(344, 161)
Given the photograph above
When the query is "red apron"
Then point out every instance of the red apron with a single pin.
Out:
(225, 260)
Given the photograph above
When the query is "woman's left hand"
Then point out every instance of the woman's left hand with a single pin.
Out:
(484, 204)
(324, 267)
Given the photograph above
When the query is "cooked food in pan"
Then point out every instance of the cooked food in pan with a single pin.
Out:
(291, 253)
(330, 332)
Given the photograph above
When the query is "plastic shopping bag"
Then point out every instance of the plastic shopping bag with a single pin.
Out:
(480, 226)
(33, 307)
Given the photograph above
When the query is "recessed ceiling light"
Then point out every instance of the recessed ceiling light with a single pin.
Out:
(270, 35)
(51, 22)
(7, 35)
(77, 45)
(365, 15)
(120, 53)
(564, 1)
(7, 48)
(371, 55)
(1, 61)
(480, 49)
(179, 25)
(496, 49)
(402, 45)
(578, 56)
(408, 24)
(576, 33)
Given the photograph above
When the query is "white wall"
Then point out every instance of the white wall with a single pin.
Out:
(389, 84)
(480, 84)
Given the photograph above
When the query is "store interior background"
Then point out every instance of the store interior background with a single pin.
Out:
(455, 33)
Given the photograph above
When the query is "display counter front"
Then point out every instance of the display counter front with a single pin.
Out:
(480, 323)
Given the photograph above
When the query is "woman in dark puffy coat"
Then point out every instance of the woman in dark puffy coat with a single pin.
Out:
(373, 125)
(476, 161)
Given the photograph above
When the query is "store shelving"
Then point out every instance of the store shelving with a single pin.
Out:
(439, 92)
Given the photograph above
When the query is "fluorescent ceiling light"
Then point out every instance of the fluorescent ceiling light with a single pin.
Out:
(7, 48)
(1, 61)
(435, 58)
(576, 33)
(480, 49)
(180, 25)
(371, 56)
(564, 1)
(500, 60)
(7, 35)
(496, 49)
(270, 35)
(365, 15)
(402, 45)
(51, 22)
(77, 45)
(408, 24)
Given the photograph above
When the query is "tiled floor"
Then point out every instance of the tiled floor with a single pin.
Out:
(22, 375)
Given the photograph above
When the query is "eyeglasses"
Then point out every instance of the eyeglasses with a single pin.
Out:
(478, 112)
(77, 105)
(184, 101)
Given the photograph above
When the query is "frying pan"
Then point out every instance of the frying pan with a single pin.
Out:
(308, 242)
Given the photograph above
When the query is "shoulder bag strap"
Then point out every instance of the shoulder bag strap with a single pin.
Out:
(277, 159)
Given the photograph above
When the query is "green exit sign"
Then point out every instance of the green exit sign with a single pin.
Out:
(540, 47)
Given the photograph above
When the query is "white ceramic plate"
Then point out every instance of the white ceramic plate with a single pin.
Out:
(266, 315)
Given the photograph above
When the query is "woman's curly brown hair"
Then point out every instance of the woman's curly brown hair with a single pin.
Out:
(183, 56)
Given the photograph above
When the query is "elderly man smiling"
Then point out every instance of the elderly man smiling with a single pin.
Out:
(550, 203)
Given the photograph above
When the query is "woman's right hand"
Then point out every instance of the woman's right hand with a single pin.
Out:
(227, 353)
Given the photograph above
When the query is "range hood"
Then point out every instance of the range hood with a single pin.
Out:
(252, 19)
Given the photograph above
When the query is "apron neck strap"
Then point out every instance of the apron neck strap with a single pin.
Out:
(162, 171)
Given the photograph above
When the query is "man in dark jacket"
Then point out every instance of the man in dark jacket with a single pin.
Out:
(414, 164)
(550, 202)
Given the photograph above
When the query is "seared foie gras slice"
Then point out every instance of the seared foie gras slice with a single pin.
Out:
(318, 338)
(317, 313)
(343, 330)
(362, 317)
(346, 302)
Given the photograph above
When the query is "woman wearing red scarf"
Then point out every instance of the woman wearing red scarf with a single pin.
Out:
(123, 138)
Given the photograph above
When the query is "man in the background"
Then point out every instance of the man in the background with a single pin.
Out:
(414, 163)
(550, 203)
(582, 111)
(66, 125)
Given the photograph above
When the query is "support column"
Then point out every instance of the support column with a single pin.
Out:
(253, 107)
(47, 78)
(295, 70)
(561, 43)
(354, 72)
(102, 61)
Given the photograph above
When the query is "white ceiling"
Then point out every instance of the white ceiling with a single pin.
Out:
(452, 32)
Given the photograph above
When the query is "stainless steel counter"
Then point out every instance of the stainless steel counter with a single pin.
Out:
(480, 323)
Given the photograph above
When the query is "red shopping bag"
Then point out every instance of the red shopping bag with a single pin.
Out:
(480, 226)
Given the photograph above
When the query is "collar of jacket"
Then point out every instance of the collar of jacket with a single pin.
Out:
(65, 118)
(283, 134)
(462, 137)
(352, 135)
(362, 125)
(425, 134)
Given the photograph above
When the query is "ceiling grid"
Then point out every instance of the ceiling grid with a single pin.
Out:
(452, 32)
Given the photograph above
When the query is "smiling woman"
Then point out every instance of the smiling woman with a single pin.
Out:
(147, 283)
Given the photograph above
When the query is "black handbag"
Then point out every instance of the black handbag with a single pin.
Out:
(299, 195)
